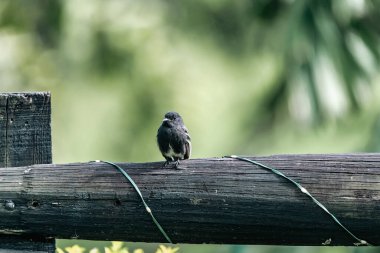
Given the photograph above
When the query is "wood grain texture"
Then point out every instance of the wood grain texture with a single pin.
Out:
(205, 201)
(25, 139)
(25, 129)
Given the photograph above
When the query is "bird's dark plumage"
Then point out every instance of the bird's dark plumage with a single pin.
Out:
(173, 138)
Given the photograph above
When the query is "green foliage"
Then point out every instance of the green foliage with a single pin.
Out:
(305, 36)
(297, 63)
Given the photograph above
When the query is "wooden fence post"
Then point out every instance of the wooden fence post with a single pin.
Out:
(25, 139)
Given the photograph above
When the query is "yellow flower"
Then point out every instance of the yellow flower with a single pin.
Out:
(116, 247)
(94, 250)
(75, 249)
(164, 249)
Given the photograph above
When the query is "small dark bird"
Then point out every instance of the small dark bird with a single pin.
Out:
(173, 139)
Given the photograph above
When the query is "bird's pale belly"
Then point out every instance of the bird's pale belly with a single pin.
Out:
(171, 153)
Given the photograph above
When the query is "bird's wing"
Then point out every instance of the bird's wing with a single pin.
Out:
(187, 149)
(187, 144)
(186, 132)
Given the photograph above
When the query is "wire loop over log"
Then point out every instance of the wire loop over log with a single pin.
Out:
(147, 208)
(303, 190)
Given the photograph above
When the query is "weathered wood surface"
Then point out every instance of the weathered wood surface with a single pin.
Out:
(25, 129)
(205, 201)
(25, 139)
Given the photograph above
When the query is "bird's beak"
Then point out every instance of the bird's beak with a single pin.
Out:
(165, 119)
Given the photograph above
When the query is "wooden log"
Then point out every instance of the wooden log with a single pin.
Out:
(205, 201)
(25, 139)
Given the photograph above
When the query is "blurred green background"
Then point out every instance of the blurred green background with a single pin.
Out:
(249, 77)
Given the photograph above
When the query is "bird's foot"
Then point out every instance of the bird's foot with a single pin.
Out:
(166, 163)
(176, 163)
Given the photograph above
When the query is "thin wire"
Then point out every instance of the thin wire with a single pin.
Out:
(303, 190)
(147, 208)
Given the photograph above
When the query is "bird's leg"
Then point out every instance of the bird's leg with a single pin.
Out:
(176, 163)
(173, 161)
(167, 162)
